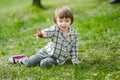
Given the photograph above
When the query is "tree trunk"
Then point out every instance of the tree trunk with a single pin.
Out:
(37, 3)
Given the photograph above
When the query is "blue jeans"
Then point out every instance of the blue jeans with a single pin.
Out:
(43, 61)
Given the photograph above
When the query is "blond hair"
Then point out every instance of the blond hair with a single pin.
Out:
(63, 12)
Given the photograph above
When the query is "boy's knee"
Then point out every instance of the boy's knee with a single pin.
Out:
(47, 62)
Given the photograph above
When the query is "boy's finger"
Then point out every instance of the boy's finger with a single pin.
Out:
(34, 35)
(38, 30)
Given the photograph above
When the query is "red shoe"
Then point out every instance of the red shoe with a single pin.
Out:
(16, 59)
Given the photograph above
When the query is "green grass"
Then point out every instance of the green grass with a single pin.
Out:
(97, 22)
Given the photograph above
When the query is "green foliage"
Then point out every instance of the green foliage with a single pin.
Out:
(97, 22)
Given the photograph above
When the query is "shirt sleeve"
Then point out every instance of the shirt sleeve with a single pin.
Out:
(49, 32)
(74, 50)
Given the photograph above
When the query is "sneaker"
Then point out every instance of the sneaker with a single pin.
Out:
(16, 59)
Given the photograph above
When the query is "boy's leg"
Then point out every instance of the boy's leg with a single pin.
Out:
(48, 62)
(35, 59)
(31, 61)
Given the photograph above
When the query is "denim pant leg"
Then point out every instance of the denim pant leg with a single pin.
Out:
(48, 62)
(31, 61)
(35, 59)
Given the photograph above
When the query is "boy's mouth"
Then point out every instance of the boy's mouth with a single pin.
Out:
(64, 27)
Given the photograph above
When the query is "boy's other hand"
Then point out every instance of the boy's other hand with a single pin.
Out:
(76, 62)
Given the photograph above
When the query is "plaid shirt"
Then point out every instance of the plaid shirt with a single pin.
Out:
(60, 47)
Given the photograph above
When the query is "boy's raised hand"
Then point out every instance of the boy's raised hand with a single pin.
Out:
(39, 34)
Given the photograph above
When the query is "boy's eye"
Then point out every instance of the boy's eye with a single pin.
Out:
(64, 21)
(67, 21)
(60, 20)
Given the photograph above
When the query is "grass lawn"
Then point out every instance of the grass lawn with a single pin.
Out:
(97, 22)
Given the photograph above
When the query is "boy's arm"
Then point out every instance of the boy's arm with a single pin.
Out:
(74, 52)
(45, 33)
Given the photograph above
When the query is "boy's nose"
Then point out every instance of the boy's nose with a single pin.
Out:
(64, 23)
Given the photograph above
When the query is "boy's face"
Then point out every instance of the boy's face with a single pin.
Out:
(63, 23)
